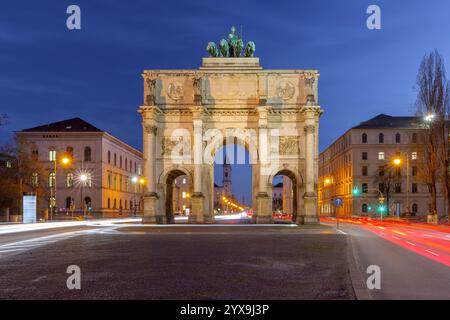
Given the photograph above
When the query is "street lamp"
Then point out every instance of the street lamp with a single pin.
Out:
(83, 178)
(429, 117)
(398, 162)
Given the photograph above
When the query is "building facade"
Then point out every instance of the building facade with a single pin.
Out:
(85, 170)
(379, 158)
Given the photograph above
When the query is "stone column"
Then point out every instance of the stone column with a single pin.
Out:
(151, 214)
(197, 199)
(310, 215)
(263, 205)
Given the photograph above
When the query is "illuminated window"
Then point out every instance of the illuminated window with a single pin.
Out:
(52, 155)
(69, 180)
(34, 179)
(414, 155)
(52, 202)
(184, 180)
(52, 180)
(139, 170)
(8, 164)
(89, 179)
(183, 194)
(109, 180)
(380, 155)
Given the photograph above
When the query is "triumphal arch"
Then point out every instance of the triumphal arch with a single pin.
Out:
(187, 115)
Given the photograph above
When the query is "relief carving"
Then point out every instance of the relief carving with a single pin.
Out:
(175, 91)
(285, 90)
(289, 145)
(168, 144)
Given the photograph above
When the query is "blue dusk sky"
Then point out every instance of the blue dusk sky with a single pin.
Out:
(49, 73)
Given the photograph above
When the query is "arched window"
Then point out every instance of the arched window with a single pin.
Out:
(51, 179)
(35, 155)
(115, 203)
(109, 203)
(88, 203)
(381, 138)
(364, 138)
(69, 180)
(87, 154)
(397, 137)
(115, 159)
(120, 161)
(414, 209)
(34, 179)
(69, 151)
(126, 164)
(69, 202)
(364, 208)
(109, 156)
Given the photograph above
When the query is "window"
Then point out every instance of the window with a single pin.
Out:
(381, 155)
(184, 180)
(364, 138)
(381, 138)
(414, 188)
(89, 179)
(120, 161)
(364, 171)
(34, 154)
(69, 180)
(69, 202)
(364, 188)
(397, 137)
(414, 171)
(126, 164)
(120, 183)
(69, 151)
(115, 204)
(51, 180)
(115, 159)
(87, 154)
(139, 170)
(8, 164)
(414, 155)
(52, 202)
(398, 188)
(135, 167)
(364, 208)
(183, 195)
(109, 156)
(34, 179)
(52, 155)
(109, 203)
(414, 137)
(398, 172)
(381, 187)
(109, 180)
(381, 171)
(115, 182)
(364, 155)
(414, 208)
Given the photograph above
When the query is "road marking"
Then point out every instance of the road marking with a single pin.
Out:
(411, 243)
(398, 232)
(383, 228)
(433, 253)
(395, 237)
(339, 230)
(24, 245)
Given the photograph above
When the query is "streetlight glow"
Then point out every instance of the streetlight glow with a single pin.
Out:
(134, 179)
(397, 161)
(429, 117)
(83, 177)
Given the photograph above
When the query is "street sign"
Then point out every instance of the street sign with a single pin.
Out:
(338, 202)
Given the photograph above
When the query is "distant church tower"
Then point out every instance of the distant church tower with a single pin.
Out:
(226, 181)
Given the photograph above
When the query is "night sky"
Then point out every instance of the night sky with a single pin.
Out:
(49, 73)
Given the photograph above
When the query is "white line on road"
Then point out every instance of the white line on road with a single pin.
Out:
(411, 243)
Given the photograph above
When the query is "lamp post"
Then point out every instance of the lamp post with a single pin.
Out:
(83, 178)
(398, 162)
(65, 161)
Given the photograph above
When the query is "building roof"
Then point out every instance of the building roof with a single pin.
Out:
(387, 121)
(69, 125)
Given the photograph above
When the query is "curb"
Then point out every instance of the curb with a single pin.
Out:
(357, 278)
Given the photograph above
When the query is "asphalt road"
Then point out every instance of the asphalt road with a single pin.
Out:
(408, 259)
(179, 262)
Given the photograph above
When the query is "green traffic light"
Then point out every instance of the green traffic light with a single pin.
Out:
(355, 191)
(381, 209)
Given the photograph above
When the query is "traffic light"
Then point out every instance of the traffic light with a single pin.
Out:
(355, 191)
(369, 208)
(381, 209)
